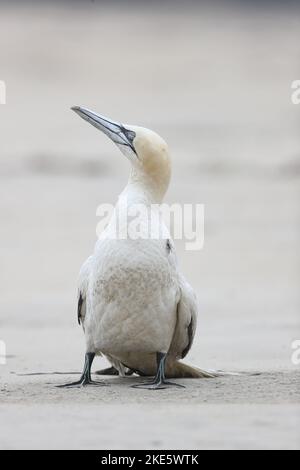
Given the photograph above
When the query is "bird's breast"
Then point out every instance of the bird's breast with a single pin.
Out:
(136, 269)
(133, 294)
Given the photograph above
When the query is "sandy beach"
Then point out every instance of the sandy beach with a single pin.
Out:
(216, 84)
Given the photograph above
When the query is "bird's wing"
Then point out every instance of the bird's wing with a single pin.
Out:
(187, 309)
(82, 289)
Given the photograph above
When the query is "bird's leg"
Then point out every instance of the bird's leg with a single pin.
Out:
(85, 378)
(160, 381)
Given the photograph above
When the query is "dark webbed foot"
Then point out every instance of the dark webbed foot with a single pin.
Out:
(83, 383)
(160, 382)
(85, 380)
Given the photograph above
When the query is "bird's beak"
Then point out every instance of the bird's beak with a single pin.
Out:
(115, 131)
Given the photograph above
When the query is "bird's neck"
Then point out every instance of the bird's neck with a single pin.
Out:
(144, 189)
(136, 193)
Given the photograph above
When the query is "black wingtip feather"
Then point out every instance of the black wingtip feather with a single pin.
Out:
(80, 302)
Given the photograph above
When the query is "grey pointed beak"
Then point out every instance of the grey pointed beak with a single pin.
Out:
(114, 130)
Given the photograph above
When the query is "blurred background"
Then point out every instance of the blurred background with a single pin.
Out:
(214, 79)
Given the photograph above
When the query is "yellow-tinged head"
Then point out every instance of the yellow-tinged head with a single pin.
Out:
(146, 150)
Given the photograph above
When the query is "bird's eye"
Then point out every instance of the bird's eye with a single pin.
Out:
(130, 135)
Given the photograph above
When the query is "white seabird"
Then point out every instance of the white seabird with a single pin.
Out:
(135, 306)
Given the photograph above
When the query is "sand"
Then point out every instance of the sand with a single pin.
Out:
(216, 85)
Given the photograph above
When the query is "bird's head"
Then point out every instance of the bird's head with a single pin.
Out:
(146, 150)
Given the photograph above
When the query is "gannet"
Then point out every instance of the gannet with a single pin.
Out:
(135, 306)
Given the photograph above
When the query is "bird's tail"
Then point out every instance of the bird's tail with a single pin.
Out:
(179, 370)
